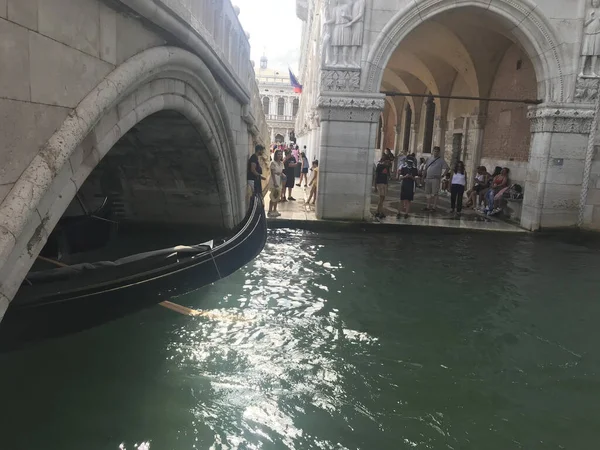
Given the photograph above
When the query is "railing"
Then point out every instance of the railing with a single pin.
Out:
(281, 118)
(211, 28)
(213, 21)
(256, 107)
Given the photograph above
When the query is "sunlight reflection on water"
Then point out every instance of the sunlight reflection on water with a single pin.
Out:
(426, 340)
(285, 352)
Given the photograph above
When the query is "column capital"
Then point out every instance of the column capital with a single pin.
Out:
(561, 118)
(398, 129)
(351, 108)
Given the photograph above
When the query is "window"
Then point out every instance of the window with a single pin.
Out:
(266, 105)
(280, 107)
(295, 106)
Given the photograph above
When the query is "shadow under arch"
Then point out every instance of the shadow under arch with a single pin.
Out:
(161, 78)
(529, 26)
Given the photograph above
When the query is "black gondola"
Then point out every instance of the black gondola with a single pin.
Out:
(62, 301)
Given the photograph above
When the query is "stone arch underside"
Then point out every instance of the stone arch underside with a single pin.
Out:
(158, 79)
(522, 19)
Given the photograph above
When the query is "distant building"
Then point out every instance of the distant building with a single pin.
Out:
(279, 101)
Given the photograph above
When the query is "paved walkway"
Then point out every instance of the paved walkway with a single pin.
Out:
(470, 220)
(298, 210)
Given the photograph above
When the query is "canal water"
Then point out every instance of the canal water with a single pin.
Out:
(425, 339)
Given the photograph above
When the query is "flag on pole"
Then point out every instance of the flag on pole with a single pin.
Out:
(295, 84)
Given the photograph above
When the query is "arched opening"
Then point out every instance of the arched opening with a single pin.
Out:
(295, 106)
(466, 52)
(266, 105)
(281, 106)
(158, 177)
(279, 139)
(163, 80)
(439, 55)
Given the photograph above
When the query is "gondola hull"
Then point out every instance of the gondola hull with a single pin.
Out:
(39, 312)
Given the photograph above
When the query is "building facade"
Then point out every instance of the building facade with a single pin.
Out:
(280, 102)
(509, 83)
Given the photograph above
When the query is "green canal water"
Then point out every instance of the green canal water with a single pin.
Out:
(426, 340)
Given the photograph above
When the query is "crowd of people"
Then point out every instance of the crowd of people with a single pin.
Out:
(435, 176)
(283, 163)
(432, 174)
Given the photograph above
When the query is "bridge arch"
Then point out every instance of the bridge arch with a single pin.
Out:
(158, 79)
(525, 21)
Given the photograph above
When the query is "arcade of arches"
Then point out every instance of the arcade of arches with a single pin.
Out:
(460, 54)
(435, 53)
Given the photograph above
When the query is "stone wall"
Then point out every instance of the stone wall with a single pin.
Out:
(78, 74)
(507, 135)
(160, 172)
(54, 52)
(518, 169)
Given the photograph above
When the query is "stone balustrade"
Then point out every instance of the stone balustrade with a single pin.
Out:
(209, 27)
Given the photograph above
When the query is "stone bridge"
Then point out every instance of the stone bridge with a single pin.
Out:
(152, 101)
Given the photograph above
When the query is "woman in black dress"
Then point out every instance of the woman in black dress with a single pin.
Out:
(289, 163)
(408, 174)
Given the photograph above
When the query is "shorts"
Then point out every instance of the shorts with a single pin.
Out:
(290, 182)
(275, 194)
(407, 194)
(382, 189)
(432, 186)
(305, 170)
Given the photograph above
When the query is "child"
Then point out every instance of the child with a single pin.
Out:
(314, 182)
(407, 191)
(446, 184)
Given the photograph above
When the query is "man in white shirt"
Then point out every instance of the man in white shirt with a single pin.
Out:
(435, 168)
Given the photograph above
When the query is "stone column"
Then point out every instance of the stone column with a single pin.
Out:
(429, 123)
(407, 129)
(349, 125)
(559, 137)
(414, 134)
(397, 145)
(382, 138)
(398, 139)
(473, 142)
(439, 137)
(272, 135)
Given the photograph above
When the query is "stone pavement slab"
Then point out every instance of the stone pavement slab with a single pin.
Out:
(300, 211)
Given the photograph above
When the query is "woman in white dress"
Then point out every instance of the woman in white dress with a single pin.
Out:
(276, 183)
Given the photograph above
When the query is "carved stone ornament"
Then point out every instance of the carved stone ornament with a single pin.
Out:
(586, 90)
(357, 109)
(340, 80)
(590, 49)
(561, 119)
(343, 32)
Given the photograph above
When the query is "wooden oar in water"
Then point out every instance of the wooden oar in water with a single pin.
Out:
(170, 305)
